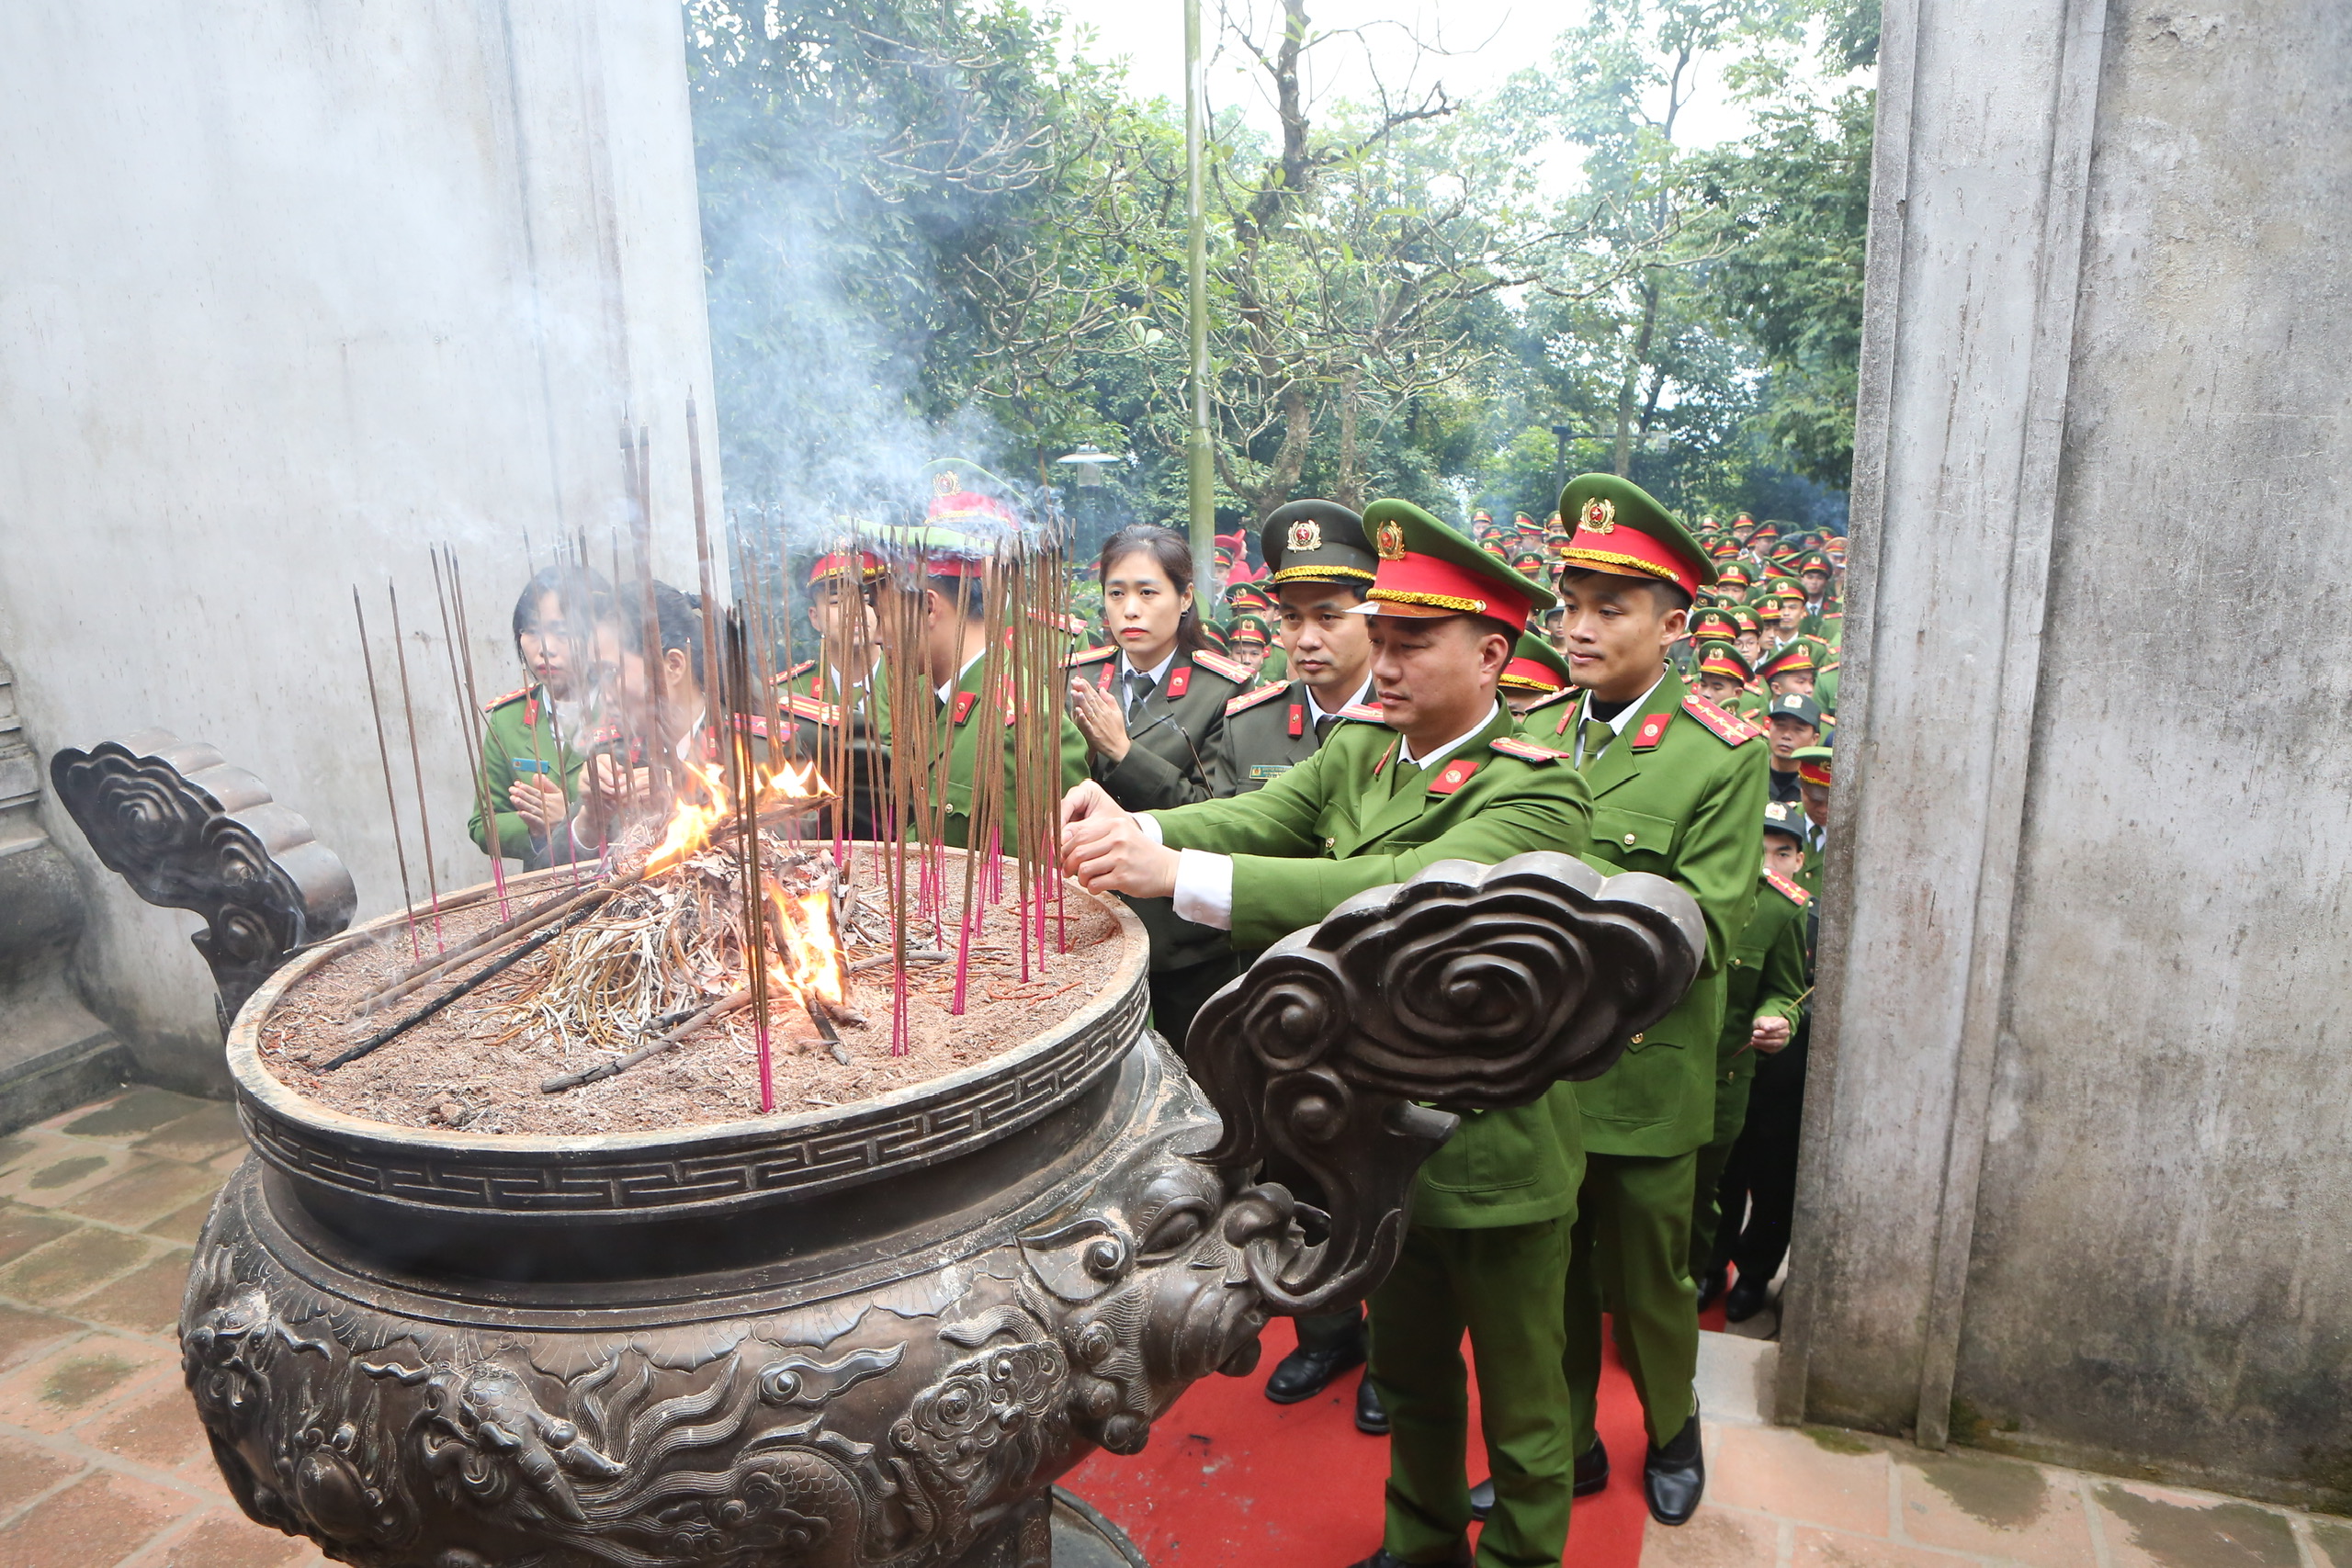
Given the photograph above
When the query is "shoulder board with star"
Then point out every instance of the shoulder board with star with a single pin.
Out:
(809, 708)
(1218, 663)
(1258, 698)
(1525, 751)
(1787, 889)
(515, 695)
(1092, 655)
(1364, 713)
(796, 671)
(1729, 729)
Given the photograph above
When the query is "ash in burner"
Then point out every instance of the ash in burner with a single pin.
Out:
(604, 988)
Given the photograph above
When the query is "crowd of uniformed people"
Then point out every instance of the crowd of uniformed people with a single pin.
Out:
(1374, 692)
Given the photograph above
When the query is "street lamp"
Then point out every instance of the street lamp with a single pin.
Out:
(1090, 464)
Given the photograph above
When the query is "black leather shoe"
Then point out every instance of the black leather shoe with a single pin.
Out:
(1371, 1419)
(1674, 1477)
(1304, 1373)
(1711, 1286)
(1746, 1299)
(1458, 1558)
(1593, 1470)
(1482, 1498)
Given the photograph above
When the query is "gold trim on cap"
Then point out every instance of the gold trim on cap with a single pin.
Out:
(1609, 557)
(1305, 573)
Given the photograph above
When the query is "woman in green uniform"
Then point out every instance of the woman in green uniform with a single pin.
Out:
(530, 771)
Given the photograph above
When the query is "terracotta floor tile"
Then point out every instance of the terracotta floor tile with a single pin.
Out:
(73, 1266)
(1836, 1549)
(197, 1137)
(1999, 1507)
(129, 1115)
(2150, 1527)
(147, 1299)
(26, 1469)
(22, 1229)
(1838, 1481)
(1715, 1538)
(157, 1428)
(229, 1540)
(77, 1381)
(96, 1520)
(183, 1225)
(63, 1170)
(22, 1329)
(143, 1193)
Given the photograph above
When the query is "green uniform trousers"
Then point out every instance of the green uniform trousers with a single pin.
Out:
(1503, 1285)
(1706, 1196)
(1630, 1250)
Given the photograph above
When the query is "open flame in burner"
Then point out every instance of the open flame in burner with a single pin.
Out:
(789, 789)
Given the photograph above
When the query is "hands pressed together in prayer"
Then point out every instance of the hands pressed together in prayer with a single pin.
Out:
(1106, 848)
(1099, 718)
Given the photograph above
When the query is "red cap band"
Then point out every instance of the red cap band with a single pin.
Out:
(1813, 772)
(1439, 587)
(1530, 674)
(1628, 552)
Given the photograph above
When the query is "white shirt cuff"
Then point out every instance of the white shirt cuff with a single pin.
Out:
(1151, 826)
(1204, 888)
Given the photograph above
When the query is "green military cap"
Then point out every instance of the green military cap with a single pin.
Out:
(1622, 529)
(1249, 629)
(1798, 707)
(1813, 764)
(1811, 560)
(1317, 541)
(1535, 666)
(1745, 619)
(1428, 570)
(1713, 623)
(1794, 658)
(1718, 657)
(1732, 575)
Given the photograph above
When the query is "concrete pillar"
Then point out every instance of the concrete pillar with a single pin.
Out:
(289, 292)
(2076, 1182)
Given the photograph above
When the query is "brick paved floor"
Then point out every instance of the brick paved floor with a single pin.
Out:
(102, 1465)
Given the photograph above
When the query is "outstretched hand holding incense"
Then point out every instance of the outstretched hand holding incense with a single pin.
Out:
(1109, 849)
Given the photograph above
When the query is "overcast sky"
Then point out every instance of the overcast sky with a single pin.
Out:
(1486, 40)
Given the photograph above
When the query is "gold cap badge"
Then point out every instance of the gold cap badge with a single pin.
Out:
(1306, 535)
(1600, 515)
(946, 483)
(1391, 541)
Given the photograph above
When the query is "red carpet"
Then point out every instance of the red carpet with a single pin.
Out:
(1232, 1480)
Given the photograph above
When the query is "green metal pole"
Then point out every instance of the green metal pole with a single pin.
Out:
(1201, 492)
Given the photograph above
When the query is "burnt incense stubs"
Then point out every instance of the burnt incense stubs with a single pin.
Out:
(653, 955)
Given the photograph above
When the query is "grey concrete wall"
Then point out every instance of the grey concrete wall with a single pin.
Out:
(287, 291)
(2078, 1183)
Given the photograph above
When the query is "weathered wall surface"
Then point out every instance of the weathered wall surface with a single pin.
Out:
(290, 291)
(2078, 1184)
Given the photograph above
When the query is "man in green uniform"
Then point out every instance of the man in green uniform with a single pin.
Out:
(1536, 670)
(841, 584)
(1320, 565)
(1763, 995)
(1725, 680)
(1436, 773)
(1678, 788)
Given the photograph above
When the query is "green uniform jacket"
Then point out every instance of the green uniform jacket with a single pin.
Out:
(1267, 733)
(1275, 668)
(1680, 794)
(520, 737)
(1766, 979)
(872, 702)
(1176, 734)
(983, 718)
(1346, 819)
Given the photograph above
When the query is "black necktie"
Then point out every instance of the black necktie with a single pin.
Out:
(1323, 726)
(1138, 688)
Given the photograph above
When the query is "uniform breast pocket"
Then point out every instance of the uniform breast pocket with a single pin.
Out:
(1629, 834)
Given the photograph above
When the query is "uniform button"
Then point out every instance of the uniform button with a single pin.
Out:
(1330, 843)
(1637, 1039)
(1735, 963)
(1629, 838)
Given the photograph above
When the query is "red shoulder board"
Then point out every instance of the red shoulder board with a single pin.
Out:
(796, 671)
(1231, 669)
(1091, 654)
(965, 703)
(1653, 731)
(496, 703)
(751, 723)
(809, 708)
(1454, 775)
(1249, 700)
(1179, 679)
(1788, 889)
(1525, 751)
(1364, 713)
(1729, 729)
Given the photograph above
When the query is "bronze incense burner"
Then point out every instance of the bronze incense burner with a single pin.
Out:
(873, 1334)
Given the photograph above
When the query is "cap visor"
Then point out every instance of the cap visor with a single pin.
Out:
(1402, 612)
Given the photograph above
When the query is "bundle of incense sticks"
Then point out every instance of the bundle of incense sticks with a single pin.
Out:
(874, 722)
